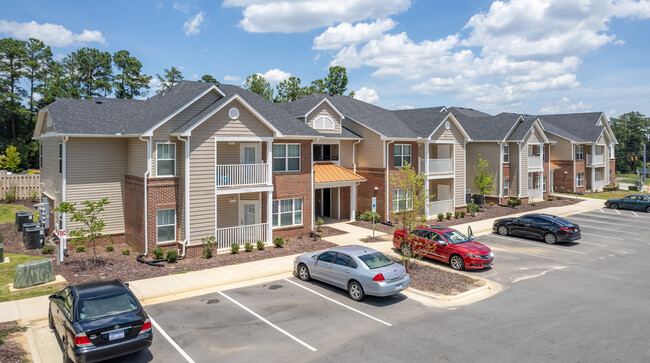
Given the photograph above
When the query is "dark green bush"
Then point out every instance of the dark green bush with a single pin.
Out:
(171, 256)
(456, 214)
(278, 241)
(158, 253)
(47, 250)
(248, 247)
(208, 244)
(234, 248)
(260, 245)
(126, 252)
(462, 214)
(81, 249)
(448, 215)
(472, 208)
(110, 248)
(441, 216)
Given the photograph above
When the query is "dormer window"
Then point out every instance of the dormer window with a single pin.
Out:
(324, 123)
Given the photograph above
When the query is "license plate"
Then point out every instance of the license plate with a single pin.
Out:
(398, 287)
(116, 335)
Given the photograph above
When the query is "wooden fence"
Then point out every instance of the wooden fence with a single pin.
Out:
(25, 184)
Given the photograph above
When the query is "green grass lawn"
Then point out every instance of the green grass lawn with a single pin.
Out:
(8, 213)
(8, 272)
(629, 178)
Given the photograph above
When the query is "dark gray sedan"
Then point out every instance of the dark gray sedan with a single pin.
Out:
(360, 270)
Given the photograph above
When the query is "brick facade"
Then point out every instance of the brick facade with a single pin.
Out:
(563, 178)
(134, 211)
(163, 193)
(375, 177)
(612, 168)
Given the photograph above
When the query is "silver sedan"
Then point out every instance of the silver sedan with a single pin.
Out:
(358, 269)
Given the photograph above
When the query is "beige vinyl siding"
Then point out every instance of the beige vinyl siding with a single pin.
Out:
(136, 157)
(454, 134)
(95, 170)
(370, 152)
(345, 153)
(514, 168)
(490, 152)
(324, 109)
(524, 169)
(231, 154)
(51, 180)
(47, 128)
(534, 137)
(246, 125)
(562, 149)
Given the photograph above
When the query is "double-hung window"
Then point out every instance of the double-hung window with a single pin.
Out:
(166, 159)
(402, 199)
(286, 157)
(506, 153)
(324, 152)
(166, 225)
(287, 212)
(580, 179)
(579, 152)
(60, 158)
(506, 187)
(544, 183)
(402, 155)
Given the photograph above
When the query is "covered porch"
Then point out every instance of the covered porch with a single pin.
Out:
(441, 197)
(536, 186)
(241, 218)
(335, 190)
(241, 164)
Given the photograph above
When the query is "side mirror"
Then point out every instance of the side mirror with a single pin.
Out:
(54, 297)
(126, 284)
(469, 231)
(472, 238)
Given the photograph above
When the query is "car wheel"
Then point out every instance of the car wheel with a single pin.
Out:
(613, 206)
(355, 291)
(50, 321)
(303, 272)
(550, 238)
(503, 230)
(647, 209)
(456, 262)
(406, 249)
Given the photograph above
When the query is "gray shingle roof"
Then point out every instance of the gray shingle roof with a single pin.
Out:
(487, 128)
(521, 130)
(73, 116)
(468, 112)
(422, 121)
(580, 127)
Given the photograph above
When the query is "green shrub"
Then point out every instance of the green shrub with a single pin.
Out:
(491, 204)
(462, 214)
(441, 216)
(33, 196)
(631, 188)
(47, 250)
(10, 194)
(533, 204)
(456, 214)
(278, 241)
(158, 253)
(472, 208)
(234, 248)
(550, 198)
(448, 215)
(208, 244)
(126, 252)
(171, 256)
(260, 245)
(511, 203)
(248, 247)
(367, 216)
(81, 249)
(110, 248)
(518, 201)
(320, 235)
(319, 223)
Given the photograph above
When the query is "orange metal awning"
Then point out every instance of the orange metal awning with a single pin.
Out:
(554, 165)
(328, 172)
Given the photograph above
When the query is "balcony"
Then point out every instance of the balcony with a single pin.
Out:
(534, 162)
(437, 166)
(252, 233)
(597, 159)
(535, 195)
(441, 206)
(241, 175)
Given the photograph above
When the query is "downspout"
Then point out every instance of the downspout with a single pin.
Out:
(354, 155)
(521, 172)
(387, 166)
(187, 193)
(501, 172)
(313, 191)
(575, 175)
(146, 176)
(63, 247)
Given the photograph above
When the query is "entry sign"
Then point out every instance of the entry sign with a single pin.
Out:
(374, 204)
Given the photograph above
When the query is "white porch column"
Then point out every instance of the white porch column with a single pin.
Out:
(519, 171)
(269, 216)
(426, 158)
(269, 161)
(353, 202)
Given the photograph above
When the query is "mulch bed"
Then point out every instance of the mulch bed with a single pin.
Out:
(379, 227)
(11, 350)
(430, 279)
(328, 231)
(382, 238)
(79, 267)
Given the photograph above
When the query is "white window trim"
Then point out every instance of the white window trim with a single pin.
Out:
(580, 182)
(401, 156)
(506, 153)
(323, 117)
(293, 213)
(395, 201)
(506, 187)
(581, 153)
(286, 157)
(166, 225)
(543, 182)
(60, 151)
(158, 159)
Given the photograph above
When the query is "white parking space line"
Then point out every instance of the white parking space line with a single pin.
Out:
(634, 213)
(601, 209)
(334, 301)
(600, 235)
(635, 226)
(617, 211)
(607, 229)
(268, 322)
(170, 340)
(515, 252)
(540, 244)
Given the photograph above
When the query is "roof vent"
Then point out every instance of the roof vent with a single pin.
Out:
(99, 102)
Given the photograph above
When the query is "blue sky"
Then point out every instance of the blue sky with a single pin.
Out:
(532, 56)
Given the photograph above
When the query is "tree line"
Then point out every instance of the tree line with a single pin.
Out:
(631, 130)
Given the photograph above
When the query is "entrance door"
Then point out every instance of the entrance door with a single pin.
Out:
(444, 192)
(327, 195)
(249, 153)
(249, 212)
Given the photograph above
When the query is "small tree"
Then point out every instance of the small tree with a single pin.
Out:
(410, 212)
(484, 179)
(91, 223)
(10, 160)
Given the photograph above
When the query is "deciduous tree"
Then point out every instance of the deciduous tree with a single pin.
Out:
(90, 222)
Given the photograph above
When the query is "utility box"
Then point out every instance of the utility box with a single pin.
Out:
(34, 238)
(2, 252)
(44, 214)
(34, 273)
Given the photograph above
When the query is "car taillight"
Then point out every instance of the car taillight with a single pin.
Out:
(407, 270)
(378, 277)
(81, 340)
(566, 229)
(146, 326)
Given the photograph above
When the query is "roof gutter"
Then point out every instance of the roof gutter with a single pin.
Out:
(187, 193)
(146, 176)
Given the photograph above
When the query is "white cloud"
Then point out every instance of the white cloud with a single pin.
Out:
(288, 16)
(159, 6)
(405, 107)
(51, 34)
(275, 76)
(155, 84)
(231, 78)
(629, 8)
(195, 76)
(184, 8)
(347, 34)
(193, 25)
(565, 106)
(367, 95)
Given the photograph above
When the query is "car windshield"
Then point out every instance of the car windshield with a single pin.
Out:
(106, 306)
(376, 260)
(455, 237)
(563, 222)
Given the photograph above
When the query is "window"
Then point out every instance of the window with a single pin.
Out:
(538, 182)
(327, 256)
(506, 152)
(326, 152)
(506, 187)
(166, 225)
(286, 157)
(324, 123)
(544, 183)
(345, 260)
(376, 260)
(580, 179)
(165, 159)
(436, 237)
(402, 199)
(287, 212)
(60, 158)
(402, 155)
(579, 152)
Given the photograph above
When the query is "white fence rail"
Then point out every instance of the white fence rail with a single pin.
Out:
(241, 234)
(242, 175)
(442, 206)
(534, 162)
(25, 184)
(596, 159)
(535, 195)
(437, 166)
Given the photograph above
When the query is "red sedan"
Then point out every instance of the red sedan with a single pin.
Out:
(446, 245)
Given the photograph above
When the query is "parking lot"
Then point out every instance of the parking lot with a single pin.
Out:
(555, 299)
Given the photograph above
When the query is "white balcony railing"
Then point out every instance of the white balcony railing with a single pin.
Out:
(534, 162)
(599, 185)
(441, 206)
(438, 166)
(595, 159)
(535, 195)
(241, 234)
(242, 175)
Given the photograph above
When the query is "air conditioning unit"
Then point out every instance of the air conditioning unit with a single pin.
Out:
(22, 217)
(28, 226)
(34, 238)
